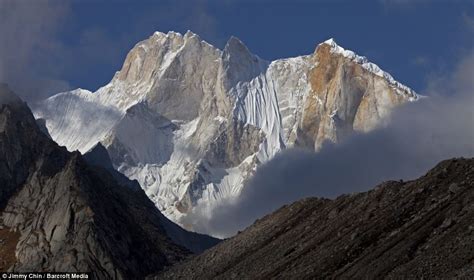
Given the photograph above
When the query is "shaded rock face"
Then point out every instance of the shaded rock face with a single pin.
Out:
(71, 216)
(41, 123)
(191, 122)
(235, 143)
(399, 230)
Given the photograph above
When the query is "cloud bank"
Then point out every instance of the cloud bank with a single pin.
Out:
(418, 136)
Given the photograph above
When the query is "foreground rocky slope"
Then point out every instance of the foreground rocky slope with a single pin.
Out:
(195, 242)
(192, 122)
(422, 229)
(59, 213)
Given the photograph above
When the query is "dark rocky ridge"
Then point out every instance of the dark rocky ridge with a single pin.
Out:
(197, 243)
(71, 216)
(399, 230)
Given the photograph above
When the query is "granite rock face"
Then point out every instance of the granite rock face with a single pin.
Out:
(344, 97)
(71, 215)
(420, 229)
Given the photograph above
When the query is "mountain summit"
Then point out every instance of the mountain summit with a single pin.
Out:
(191, 122)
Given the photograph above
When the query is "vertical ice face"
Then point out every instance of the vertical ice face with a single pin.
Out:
(191, 122)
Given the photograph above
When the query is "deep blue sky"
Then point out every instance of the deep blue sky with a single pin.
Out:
(412, 40)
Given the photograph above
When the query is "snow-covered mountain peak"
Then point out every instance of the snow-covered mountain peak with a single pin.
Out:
(192, 122)
(234, 44)
(240, 64)
(161, 38)
(236, 49)
(170, 33)
(372, 67)
(159, 34)
(189, 33)
(331, 42)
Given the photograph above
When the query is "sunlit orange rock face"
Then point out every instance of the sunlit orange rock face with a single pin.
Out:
(344, 97)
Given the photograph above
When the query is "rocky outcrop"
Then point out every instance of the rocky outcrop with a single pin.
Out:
(235, 143)
(191, 123)
(70, 215)
(345, 96)
(399, 230)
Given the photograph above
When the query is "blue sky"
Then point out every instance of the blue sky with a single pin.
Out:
(86, 41)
